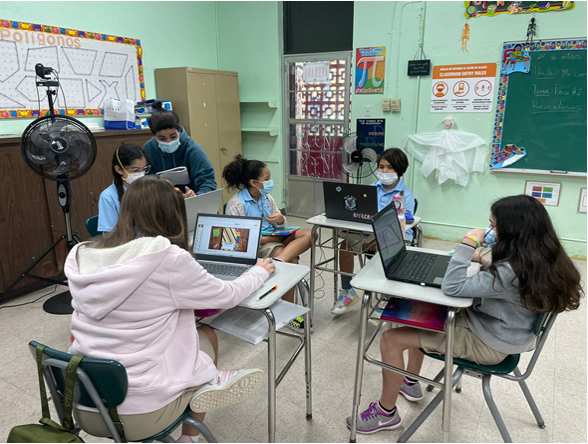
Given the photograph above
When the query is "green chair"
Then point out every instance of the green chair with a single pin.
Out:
(485, 373)
(92, 226)
(102, 384)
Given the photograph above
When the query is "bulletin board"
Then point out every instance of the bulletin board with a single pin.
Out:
(542, 106)
(92, 67)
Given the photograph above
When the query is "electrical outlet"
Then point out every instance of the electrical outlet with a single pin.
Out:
(395, 105)
(386, 105)
(368, 110)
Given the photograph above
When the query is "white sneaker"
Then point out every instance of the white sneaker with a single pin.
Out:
(232, 386)
(346, 299)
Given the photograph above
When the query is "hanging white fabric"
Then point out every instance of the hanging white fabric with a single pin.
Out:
(453, 154)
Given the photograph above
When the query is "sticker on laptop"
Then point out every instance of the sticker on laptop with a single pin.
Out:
(350, 203)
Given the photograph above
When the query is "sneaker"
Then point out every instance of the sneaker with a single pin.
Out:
(346, 299)
(297, 324)
(411, 392)
(374, 419)
(231, 387)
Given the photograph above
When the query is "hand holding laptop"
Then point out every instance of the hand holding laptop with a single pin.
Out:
(267, 264)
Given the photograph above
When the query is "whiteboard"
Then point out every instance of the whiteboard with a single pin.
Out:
(91, 67)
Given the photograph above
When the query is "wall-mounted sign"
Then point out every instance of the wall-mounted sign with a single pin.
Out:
(583, 204)
(490, 8)
(419, 67)
(371, 133)
(545, 192)
(316, 72)
(370, 67)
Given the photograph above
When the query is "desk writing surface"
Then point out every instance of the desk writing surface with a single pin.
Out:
(324, 221)
(372, 278)
(285, 277)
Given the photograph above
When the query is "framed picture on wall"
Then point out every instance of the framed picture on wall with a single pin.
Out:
(583, 204)
(545, 192)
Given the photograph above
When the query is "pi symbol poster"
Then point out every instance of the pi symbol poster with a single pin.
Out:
(370, 67)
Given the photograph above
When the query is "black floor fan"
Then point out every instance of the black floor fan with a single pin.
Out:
(61, 149)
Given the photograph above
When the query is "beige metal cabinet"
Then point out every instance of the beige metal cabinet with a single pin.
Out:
(207, 102)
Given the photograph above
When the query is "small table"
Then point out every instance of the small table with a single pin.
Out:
(285, 277)
(371, 279)
(337, 226)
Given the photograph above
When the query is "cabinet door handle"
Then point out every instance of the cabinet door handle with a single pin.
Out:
(224, 150)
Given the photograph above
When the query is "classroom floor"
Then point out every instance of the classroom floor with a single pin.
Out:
(558, 383)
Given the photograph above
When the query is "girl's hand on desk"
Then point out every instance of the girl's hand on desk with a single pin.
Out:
(275, 218)
(267, 265)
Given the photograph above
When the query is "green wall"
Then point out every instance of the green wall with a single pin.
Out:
(448, 209)
(171, 33)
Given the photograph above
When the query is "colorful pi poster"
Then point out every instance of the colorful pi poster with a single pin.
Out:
(463, 88)
(481, 8)
(370, 66)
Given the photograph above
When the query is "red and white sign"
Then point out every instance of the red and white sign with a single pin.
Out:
(463, 88)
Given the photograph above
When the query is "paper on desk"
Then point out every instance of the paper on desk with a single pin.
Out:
(251, 325)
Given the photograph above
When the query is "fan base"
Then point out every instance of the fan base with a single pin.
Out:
(59, 304)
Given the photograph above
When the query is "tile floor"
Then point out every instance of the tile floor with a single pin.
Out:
(558, 383)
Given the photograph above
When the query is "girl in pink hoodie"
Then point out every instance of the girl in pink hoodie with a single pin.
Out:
(134, 296)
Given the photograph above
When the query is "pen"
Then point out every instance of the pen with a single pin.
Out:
(271, 290)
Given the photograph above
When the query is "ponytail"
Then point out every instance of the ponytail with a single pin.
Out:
(241, 171)
(163, 119)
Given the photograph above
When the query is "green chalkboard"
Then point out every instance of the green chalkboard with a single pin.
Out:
(543, 106)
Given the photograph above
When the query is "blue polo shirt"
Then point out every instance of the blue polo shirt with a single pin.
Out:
(108, 209)
(385, 197)
(261, 208)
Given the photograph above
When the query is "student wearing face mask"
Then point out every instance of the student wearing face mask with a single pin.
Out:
(253, 179)
(171, 147)
(392, 164)
(129, 162)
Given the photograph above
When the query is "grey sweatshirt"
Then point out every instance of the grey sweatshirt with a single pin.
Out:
(496, 317)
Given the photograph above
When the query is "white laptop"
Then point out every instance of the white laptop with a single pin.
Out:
(202, 203)
(226, 246)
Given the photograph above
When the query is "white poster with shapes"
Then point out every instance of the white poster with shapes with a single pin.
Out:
(583, 204)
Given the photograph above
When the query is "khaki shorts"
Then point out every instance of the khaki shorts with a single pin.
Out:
(466, 344)
(144, 425)
(357, 242)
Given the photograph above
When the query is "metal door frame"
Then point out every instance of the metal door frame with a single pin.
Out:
(287, 121)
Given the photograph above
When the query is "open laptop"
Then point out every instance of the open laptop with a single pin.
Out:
(226, 246)
(347, 201)
(203, 203)
(399, 263)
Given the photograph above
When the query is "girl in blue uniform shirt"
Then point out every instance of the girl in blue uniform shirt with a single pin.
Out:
(392, 165)
(129, 162)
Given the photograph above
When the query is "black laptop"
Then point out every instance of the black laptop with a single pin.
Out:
(347, 201)
(399, 263)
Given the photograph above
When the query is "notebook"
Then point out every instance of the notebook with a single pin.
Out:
(284, 231)
(417, 313)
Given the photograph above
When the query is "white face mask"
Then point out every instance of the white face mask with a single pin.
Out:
(134, 176)
(387, 178)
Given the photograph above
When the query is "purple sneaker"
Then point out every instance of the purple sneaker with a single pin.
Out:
(374, 419)
(411, 392)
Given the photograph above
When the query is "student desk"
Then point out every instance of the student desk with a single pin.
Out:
(285, 277)
(337, 227)
(371, 279)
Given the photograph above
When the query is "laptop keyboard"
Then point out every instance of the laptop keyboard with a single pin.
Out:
(418, 267)
(223, 269)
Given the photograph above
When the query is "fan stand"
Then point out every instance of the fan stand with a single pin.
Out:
(59, 304)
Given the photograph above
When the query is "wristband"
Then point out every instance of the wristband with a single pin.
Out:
(468, 245)
(472, 238)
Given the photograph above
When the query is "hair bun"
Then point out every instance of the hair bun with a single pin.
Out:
(157, 105)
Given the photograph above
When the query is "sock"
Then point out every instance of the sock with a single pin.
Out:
(385, 410)
(410, 381)
(346, 282)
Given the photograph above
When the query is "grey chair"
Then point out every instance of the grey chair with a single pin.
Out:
(485, 373)
(102, 384)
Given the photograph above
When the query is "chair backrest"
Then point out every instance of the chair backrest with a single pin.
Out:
(92, 226)
(416, 205)
(541, 329)
(108, 377)
(225, 209)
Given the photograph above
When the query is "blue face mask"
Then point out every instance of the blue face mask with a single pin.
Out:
(170, 147)
(489, 237)
(268, 186)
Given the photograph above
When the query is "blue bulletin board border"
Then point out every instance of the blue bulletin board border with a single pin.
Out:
(578, 44)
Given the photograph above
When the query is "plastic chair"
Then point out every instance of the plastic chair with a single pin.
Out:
(485, 373)
(92, 226)
(103, 385)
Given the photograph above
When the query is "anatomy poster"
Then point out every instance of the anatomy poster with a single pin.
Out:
(370, 67)
(91, 67)
(463, 88)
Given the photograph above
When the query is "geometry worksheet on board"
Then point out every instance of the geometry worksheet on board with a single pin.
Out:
(91, 67)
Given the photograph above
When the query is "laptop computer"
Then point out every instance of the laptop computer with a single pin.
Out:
(203, 203)
(348, 201)
(226, 246)
(399, 263)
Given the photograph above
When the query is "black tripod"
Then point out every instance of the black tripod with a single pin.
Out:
(60, 303)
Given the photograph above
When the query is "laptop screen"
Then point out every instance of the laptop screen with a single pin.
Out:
(227, 238)
(388, 235)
